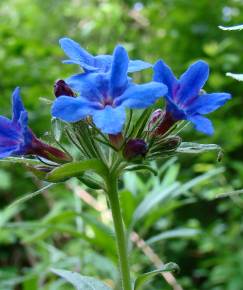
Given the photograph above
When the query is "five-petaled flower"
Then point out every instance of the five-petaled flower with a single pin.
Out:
(17, 139)
(105, 96)
(90, 63)
(185, 100)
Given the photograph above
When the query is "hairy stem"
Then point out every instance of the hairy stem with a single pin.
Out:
(121, 240)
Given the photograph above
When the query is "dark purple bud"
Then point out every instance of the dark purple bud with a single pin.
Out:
(135, 149)
(166, 123)
(47, 151)
(62, 89)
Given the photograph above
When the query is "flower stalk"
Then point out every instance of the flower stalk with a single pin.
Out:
(120, 233)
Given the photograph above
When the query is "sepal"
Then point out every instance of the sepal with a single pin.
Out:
(40, 171)
(76, 169)
(146, 277)
(196, 148)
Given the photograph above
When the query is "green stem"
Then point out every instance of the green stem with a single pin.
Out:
(121, 240)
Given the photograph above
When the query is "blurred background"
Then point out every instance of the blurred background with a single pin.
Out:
(67, 227)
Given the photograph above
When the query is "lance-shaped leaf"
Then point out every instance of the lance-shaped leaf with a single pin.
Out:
(22, 160)
(194, 148)
(76, 169)
(81, 282)
(235, 27)
(142, 167)
(238, 77)
(28, 196)
(144, 278)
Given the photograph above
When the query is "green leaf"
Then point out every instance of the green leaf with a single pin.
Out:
(30, 195)
(26, 161)
(152, 200)
(238, 77)
(195, 148)
(142, 167)
(176, 233)
(230, 28)
(76, 169)
(127, 205)
(144, 278)
(81, 282)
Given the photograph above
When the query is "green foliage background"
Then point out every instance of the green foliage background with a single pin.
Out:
(178, 31)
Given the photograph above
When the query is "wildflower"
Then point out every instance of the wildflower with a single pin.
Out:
(90, 63)
(104, 96)
(17, 139)
(185, 100)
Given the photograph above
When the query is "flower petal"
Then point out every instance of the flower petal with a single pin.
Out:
(137, 65)
(118, 79)
(75, 51)
(71, 109)
(9, 129)
(26, 132)
(17, 105)
(163, 74)
(141, 96)
(208, 103)
(110, 120)
(84, 66)
(6, 151)
(103, 62)
(192, 81)
(202, 124)
(89, 85)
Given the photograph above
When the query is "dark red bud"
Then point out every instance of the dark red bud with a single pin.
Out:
(167, 122)
(47, 151)
(116, 140)
(62, 89)
(135, 149)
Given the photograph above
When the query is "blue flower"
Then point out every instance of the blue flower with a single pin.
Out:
(90, 63)
(104, 96)
(185, 100)
(17, 139)
(15, 136)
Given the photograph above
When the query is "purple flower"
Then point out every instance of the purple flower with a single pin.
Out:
(90, 63)
(104, 96)
(17, 139)
(185, 100)
(15, 136)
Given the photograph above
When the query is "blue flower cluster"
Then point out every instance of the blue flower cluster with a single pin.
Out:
(104, 90)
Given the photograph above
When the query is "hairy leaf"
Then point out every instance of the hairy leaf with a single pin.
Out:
(81, 282)
(144, 278)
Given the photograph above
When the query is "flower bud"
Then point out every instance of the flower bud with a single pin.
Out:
(156, 117)
(166, 123)
(116, 140)
(62, 89)
(166, 145)
(135, 149)
(47, 151)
